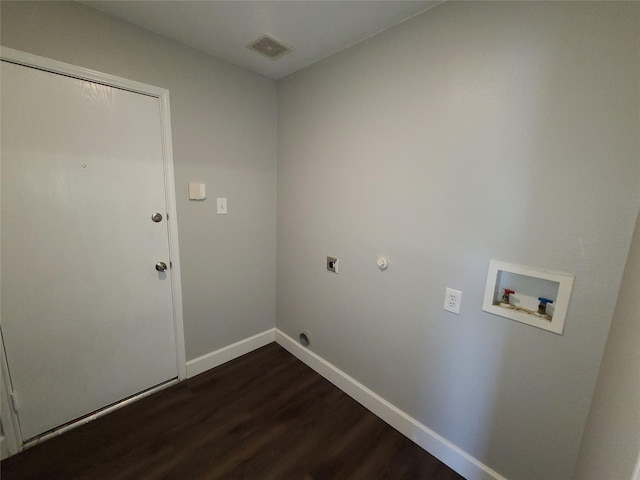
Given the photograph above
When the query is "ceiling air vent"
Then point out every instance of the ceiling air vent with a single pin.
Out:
(269, 47)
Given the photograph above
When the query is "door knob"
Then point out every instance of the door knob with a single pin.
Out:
(161, 266)
(156, 217)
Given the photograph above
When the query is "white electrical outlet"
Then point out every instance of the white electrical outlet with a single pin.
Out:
(452, 300)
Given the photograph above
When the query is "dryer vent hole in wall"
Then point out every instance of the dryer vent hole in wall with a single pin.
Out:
(305, 339)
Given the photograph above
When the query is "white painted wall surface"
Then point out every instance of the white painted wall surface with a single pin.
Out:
(224, 135)
(611, 443)
(503, 130)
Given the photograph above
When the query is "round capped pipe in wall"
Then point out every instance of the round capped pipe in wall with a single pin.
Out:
(383, 263)
(305, 339)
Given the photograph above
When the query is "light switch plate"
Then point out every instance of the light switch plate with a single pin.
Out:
(222, 206)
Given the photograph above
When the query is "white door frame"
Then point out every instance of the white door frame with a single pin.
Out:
(13, 438)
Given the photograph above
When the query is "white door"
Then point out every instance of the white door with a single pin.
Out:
(87, 320)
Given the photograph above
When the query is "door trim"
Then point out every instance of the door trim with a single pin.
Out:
(11, 437)
(162, 94)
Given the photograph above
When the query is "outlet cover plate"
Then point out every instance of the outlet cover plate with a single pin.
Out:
(452, 300)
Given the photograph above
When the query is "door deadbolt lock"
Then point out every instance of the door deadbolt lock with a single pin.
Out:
(156, 217)
(161, 266)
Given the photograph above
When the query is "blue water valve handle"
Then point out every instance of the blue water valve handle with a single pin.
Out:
(542, 307)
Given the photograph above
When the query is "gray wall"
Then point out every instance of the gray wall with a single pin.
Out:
(611, 442)
(477, 130)
(224, 135)
(474, 131)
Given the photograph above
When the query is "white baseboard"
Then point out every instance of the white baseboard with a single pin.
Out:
(445, 451)
(225, 354)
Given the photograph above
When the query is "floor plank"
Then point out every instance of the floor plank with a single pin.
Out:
(263, 416)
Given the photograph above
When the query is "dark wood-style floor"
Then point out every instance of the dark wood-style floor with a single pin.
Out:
(262, 416)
